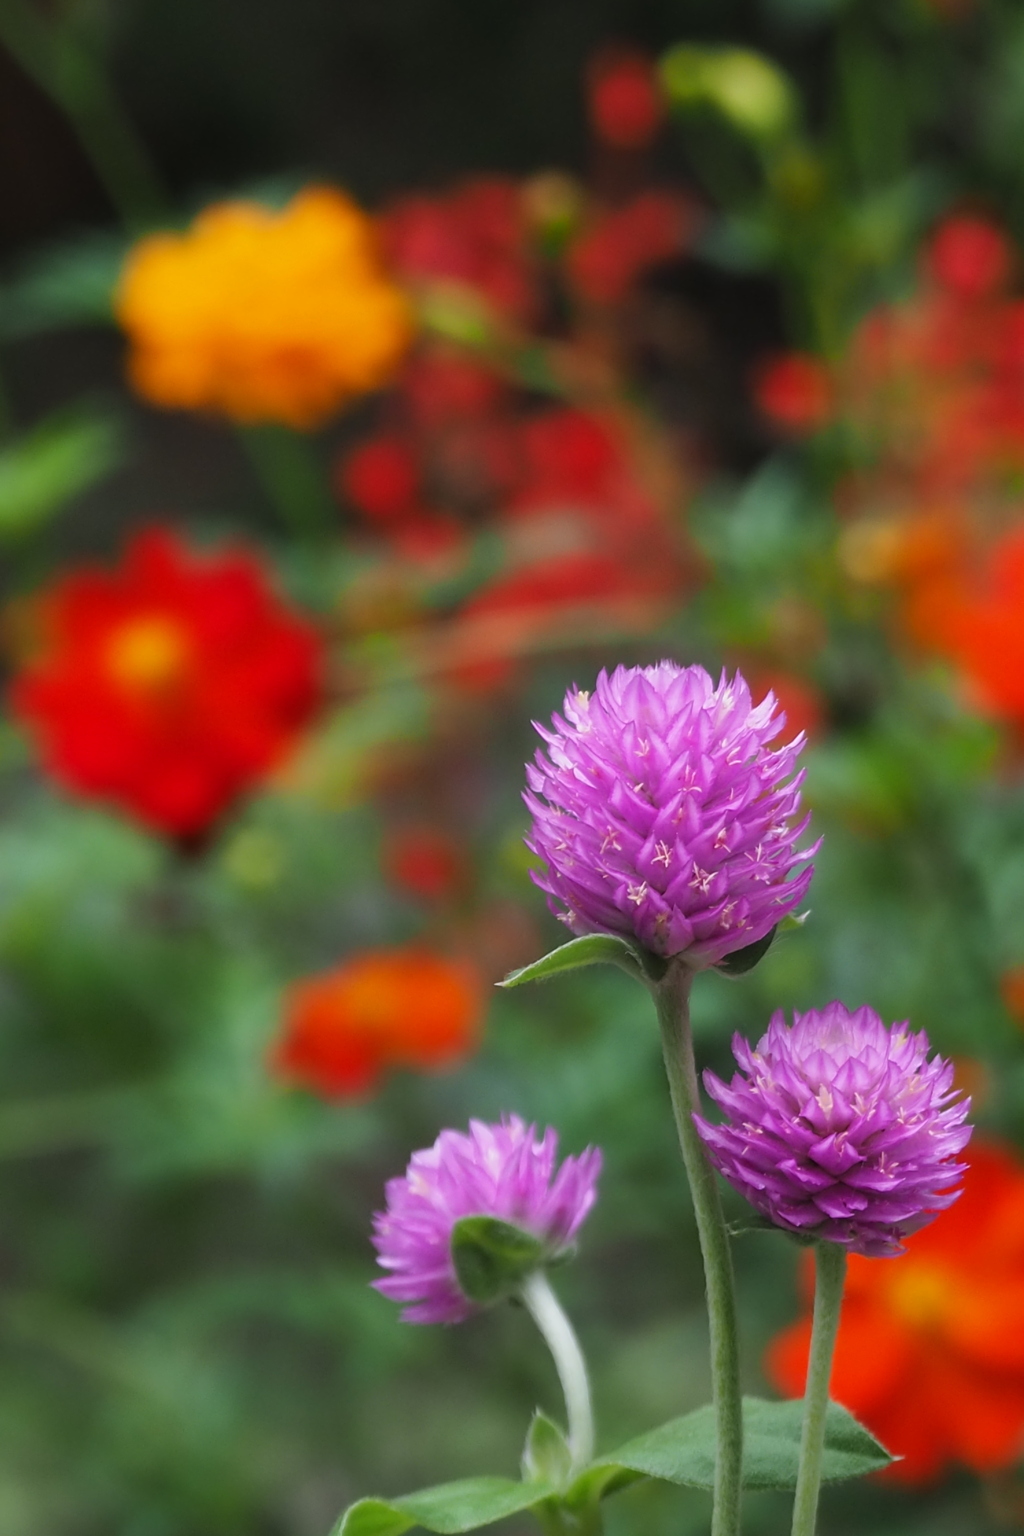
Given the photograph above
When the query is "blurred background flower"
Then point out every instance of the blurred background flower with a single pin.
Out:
(382, 1009)
(928, 1353)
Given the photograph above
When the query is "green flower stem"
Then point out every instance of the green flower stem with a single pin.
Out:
(557, 1520)
(546, 1310)
(830, 1274)
(68, 69)
(291, 478)
(672, 996)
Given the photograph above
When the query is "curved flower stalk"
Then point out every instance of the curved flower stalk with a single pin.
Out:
(479, 1217)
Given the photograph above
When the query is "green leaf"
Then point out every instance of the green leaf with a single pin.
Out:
(743, 960)
(61, 285)
(546, 1455)
(683, 1451)
(449, 1509)
(492, 1258)
(60, 458)
(592, 949)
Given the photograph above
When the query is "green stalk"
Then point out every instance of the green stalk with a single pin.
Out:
(291, 479)
(830, 1275)
(672, 996)
(64, 66)
(560, 1337)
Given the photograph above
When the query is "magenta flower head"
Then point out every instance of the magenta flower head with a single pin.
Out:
(840, 1128)
(504, 1174)
(662, 814)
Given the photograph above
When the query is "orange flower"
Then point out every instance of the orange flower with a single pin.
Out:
(169, 686)
(984, 631)
(931, 1350)
(799, 700)
(263, 315)
(381, 1009)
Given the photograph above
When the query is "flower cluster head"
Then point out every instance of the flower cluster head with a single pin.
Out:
(264, 315)
(504, 1171)
(169, 686)
(662, 813)
(840, 1128)
(378, 1010)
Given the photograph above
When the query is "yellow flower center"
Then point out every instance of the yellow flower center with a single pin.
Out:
(921, 1294)
(371, 1000)
(147, 655)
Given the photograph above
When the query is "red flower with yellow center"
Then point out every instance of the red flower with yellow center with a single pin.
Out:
(167, 687)
(381, 1009)
(930, 1352)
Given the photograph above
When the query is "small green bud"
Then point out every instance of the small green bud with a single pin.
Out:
(745, 87)
(456, 313)
(546, 1454)
(492, 1258)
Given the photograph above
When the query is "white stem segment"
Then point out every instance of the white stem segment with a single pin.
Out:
(546, 1310)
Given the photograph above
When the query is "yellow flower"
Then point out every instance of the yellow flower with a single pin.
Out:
(263, 315)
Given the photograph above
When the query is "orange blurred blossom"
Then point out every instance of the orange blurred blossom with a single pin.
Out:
(261, 314)
(930, 1354)
(379, 1010)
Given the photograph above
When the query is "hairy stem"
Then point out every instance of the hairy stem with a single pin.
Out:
(830, 1275)
(559, 1335)
(672, 996)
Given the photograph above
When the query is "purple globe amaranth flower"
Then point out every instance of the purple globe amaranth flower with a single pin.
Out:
(663, 815)
(505, 1171)
(841, 1128)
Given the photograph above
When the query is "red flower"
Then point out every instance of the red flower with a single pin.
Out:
(1011, 990)
(442, 387)
(625, 103)
(378, 1010)
(606, 260)
(968, 255)
(567, 454)
(423, 861)
(381, 478)
(475, 234)
(795, 391)
(931, 1350)
(170, 686)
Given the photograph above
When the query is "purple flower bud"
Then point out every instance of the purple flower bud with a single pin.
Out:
(667, 818)
(841, 1129)
(503, 1171)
